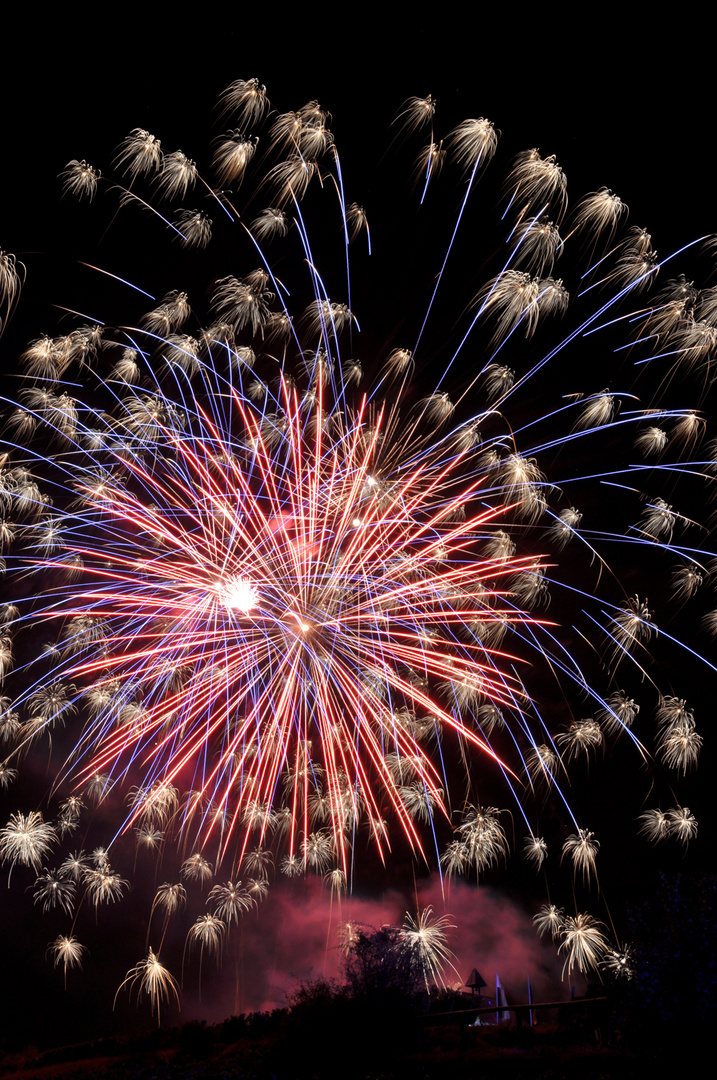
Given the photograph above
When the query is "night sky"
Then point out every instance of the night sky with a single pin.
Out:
(615, 110)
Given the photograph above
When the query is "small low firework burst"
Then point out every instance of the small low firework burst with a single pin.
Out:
(286, 584)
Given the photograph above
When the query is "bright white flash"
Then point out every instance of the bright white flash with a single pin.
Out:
(239, 594)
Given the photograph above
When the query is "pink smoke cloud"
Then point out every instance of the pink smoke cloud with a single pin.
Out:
(293, 937)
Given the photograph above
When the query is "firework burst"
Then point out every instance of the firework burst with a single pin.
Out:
(280, 597)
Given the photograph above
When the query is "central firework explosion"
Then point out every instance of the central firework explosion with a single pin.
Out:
(283, 605)
(276, 603)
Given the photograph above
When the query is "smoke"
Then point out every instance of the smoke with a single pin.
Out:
(292, 937)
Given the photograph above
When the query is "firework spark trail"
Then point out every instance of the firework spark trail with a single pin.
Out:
(275, 604)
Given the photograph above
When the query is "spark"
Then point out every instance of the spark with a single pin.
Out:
(426, 938)
(154, 980)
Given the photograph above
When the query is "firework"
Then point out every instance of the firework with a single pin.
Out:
(67, 951)
(584, 943)
(26, 839)
(426, 937)
(281, 599)
(154, 981)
